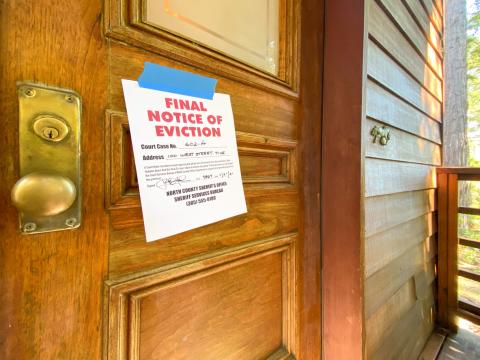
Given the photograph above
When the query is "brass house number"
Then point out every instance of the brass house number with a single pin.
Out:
(382, 133)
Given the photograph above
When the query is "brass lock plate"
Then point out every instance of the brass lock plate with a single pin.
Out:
(49, 143)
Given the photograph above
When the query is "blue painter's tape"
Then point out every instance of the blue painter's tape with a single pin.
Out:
(162, 78)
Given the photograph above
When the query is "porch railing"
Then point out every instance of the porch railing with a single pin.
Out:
(450, 304)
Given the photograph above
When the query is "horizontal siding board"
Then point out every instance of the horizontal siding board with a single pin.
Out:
(439, 6)
(417, 11)
(388, 177)
(395, 340)
(402, 17)
(433, 14)
(403, 92)
(402, 146)
(387, 281)
(387, 211)
(383, 106)
(405, 340)
(385, 71)
(420, 337)
(424, 279)
(389, 314)
(421, 332)
(387, 34)
(384, 247)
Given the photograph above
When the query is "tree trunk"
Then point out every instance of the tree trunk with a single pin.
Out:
(455, 144)
(455, 140)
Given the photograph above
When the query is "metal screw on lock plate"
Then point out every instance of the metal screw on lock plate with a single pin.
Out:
(29, 227)
(71, 222)
(30, 92)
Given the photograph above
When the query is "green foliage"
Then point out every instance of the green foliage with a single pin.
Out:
(473, 72)
(469, 225)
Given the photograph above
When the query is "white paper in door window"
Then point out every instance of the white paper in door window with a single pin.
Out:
(247, 30)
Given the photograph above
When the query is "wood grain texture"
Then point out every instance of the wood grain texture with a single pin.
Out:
(399, 13)
(124, 22)
(384, 31)
(267, 164)
(387, 211)
(433, 346)
(278, 136)
(417, 12)
(310, 177)
(383, 325)
(439, 6)
(405, 340)
(434, 14)
(261, 165)
(120, 174)
(382, 106)
(266, 217)
(463, 172)
(452, 250)
(342, 198)
(50, 284)
(256, 111)
(442, 249)
(392, 311)
(385, 71)
(421, 332)
(256, 152)
(382, 248)
(193, 318)
(388, 177)
(249, 287)
(401, 147)
(387, 281)
(404, 93)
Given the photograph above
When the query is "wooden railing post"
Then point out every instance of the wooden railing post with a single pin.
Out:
(447, 249)
(452, 305)
(442, 269)
(452, 249)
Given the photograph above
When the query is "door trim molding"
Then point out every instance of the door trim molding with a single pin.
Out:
(122, 296)
(123, 22)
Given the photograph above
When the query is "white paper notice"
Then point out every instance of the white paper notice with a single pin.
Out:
(186, 159)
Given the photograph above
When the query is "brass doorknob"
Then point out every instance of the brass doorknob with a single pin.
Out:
(40, 194)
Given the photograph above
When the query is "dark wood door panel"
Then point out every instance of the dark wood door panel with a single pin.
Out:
(51, 284)
(233, 305)
(246, 287)
(266, 124)
(256, 110)
(266, 217)
(238, 311)
(268, 165)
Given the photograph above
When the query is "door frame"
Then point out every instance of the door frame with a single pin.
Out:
(311, 92)
(342, 180)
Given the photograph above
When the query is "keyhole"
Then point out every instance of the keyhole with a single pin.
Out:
(50, 133)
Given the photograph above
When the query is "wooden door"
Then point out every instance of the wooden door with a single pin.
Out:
(243, 288)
